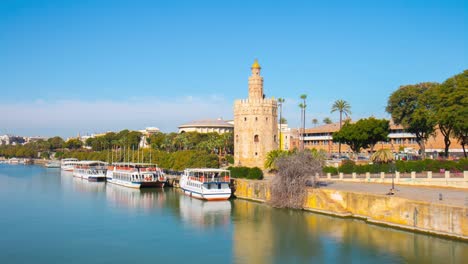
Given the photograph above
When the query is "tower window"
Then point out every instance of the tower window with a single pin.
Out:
(256, 118)
(237, 138)
(245, 118)
(256, 139)
(274, 138)
(256, 153)
(267, 119)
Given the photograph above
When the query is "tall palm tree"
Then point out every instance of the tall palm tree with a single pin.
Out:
(315, 122)
(280, 103)
(303, 106)
(344, 108)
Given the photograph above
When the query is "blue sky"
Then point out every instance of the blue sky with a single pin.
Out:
(92, 66)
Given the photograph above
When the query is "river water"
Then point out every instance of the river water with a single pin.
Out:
(51, 217)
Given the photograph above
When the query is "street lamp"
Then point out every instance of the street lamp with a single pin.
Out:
(280, 103)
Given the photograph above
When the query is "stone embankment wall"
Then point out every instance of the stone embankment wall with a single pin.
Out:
(398, 212)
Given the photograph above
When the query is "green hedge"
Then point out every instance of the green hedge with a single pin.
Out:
(349, 166)
(246, 172)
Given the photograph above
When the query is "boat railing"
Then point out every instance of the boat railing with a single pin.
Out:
(207, 179)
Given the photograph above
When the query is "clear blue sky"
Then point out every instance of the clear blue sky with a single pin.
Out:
(92, 66)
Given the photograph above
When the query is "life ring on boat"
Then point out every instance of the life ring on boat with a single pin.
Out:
(226, 178)
(202, 179)
(147, 178)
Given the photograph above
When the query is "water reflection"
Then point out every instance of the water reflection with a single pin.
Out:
(82, 185)
(266, 235)
(124, 197)
(203, 214)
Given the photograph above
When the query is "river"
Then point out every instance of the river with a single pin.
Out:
(48, 216)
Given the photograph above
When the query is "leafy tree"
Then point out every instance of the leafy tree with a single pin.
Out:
(342, 107)
(362, 134)
(56, 143)
(375, 129)
(283, 120)
(327, 120)
(450, 101)
(410, 107)
(156, 140)
(73, 143)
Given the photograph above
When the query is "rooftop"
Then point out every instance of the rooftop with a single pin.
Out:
(208, 123)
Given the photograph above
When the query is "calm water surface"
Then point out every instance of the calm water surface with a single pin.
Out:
(50, 217)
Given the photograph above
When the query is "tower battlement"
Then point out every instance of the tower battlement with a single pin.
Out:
(255, 124)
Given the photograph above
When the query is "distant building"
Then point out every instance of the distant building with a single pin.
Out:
(11, 140)
(219, 126)
(321, 138)
(146, 133)
(256, 124)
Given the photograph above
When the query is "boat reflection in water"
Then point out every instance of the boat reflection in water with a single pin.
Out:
(204, 214)
(123, 197)
(82, 185)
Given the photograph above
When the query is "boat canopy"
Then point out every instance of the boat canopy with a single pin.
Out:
(92, 162)
(133, 164)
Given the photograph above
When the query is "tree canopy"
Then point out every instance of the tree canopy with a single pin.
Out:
(410, 106)
(364, 133)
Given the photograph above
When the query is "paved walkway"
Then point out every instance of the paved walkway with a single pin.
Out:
(450, 196)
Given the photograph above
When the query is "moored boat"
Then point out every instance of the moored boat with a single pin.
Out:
(206, 184)
(52, 164)
(68, 164)
(91, 170)
(136, 175)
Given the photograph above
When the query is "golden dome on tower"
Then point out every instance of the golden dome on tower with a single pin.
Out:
(256, 65)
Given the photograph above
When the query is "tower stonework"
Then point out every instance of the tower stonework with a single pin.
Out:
(255, 124)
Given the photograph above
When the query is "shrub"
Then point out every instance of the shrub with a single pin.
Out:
(255, 174)
(331, 170)
(347, 167)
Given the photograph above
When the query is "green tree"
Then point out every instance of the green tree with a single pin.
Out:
(410, 107)
(342, 107)
(375, 129)
(450, 101)
(73, 143)
(314, 122)
(272, 156)
(352, 135)
(56, 143)
(327, 120)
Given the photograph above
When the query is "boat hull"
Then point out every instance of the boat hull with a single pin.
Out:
(137, 185)
(207, 196)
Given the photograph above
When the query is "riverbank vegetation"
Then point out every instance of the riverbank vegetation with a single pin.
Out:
(170, 151)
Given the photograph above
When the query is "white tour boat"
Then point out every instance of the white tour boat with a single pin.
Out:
(68, 164)
(206, 184)
(136, 175)
(91, 170)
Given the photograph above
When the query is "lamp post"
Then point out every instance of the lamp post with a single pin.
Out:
(392, 170)
(280, 103)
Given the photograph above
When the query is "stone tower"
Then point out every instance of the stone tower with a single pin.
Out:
(255, 124)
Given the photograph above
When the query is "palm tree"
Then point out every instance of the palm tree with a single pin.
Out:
(343, 107)
(382, 156)
(327, 120)
(303, 106)
(280, 103)
(315, 122)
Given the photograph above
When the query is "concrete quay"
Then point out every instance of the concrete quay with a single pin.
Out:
(412, 208)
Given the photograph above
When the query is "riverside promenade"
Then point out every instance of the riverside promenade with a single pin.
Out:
(439, 195)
